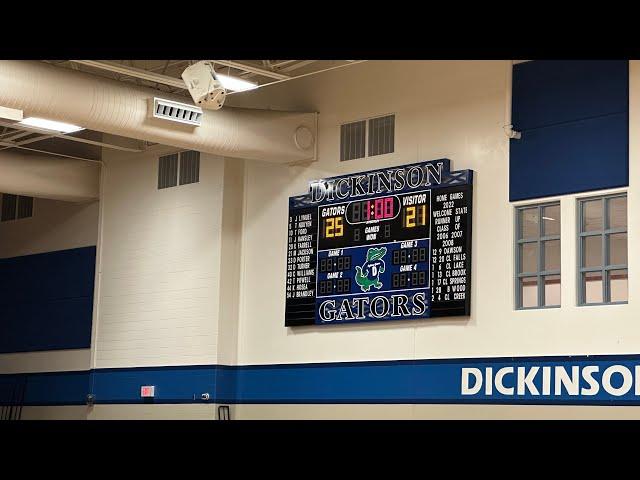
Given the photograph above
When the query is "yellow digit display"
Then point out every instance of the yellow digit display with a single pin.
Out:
(333, 227)
(415, 216)
(410, 217)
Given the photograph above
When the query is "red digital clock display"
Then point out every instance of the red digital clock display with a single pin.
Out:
(385, 208)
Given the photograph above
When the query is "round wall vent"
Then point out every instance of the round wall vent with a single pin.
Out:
(303, 138)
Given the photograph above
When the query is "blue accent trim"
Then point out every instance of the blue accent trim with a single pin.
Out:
(46, 300)
(429, 381)
(573, 116)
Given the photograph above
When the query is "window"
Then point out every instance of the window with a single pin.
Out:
(16, 207)
(602, 250)
(184, 164)
(367, 138)
(538, 256)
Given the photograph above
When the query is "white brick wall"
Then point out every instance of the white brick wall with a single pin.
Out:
(158, 299)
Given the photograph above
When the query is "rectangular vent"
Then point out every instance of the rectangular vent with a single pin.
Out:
(9, 203)
(25, 207)
(352, 140)
(176, 112)
(381, 135)
(189, 167)
(168, 171)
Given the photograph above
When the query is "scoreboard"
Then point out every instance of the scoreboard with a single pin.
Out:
(390, 244)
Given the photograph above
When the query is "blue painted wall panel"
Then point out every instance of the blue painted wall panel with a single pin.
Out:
(548, 92)
(573, 116)
(47, 276)
(46, 301)
(573, 157)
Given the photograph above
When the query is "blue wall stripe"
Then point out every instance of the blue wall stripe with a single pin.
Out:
(380, 382)
(46, 300)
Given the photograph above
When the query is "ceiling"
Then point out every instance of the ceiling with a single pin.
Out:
(161, 75)
(165, 75)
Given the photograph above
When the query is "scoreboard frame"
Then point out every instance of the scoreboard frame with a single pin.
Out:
(368, 290)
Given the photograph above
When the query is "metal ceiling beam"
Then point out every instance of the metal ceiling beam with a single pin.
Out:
(24, 142)
(352, 62)
(300, 64)
(31, 130)
(133, 72)
(53, 153)
(252, 69)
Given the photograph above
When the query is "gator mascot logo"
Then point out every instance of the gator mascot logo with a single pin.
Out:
(368, 275)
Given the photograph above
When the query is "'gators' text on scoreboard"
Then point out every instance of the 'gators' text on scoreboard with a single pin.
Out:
(391, 244)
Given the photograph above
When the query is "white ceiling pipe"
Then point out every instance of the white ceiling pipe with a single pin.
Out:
(48, 177)
(109, 106)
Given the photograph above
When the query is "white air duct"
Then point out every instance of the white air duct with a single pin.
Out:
(109, 106)
(48, 177)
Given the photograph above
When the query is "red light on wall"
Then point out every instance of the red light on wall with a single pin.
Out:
(147, 391)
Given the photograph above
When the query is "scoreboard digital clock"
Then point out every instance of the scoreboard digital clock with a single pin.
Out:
(381, 245)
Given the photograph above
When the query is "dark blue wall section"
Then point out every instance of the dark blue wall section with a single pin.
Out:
(548, 92)
(573, 116)
(572, 157)
(46, 300)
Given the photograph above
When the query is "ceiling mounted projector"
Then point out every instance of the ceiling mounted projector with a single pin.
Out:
(204, 86)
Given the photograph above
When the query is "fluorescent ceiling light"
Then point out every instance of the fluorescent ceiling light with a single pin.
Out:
(50, 125)
(236, 84)
(549, 218)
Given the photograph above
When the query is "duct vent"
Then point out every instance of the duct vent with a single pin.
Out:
(176, 112)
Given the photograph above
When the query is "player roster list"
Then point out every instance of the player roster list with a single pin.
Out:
(383, 245)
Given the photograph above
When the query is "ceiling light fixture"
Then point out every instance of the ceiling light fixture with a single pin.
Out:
(51, 125)
(236, 84)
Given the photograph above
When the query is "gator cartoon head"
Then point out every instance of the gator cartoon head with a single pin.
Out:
(374, 254)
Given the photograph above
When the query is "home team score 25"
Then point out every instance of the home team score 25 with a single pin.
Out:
(382, 245)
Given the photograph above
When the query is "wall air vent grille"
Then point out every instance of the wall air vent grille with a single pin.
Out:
(176, 112)
(189, 167)
(381, 135)
(25, 207)
(16, 207)
(352, 140)
(168, 171)
(9, 203)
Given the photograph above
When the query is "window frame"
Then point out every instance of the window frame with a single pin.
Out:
(604, 233)
(540, 273)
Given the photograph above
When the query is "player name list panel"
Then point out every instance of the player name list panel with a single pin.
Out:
(389, 244)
